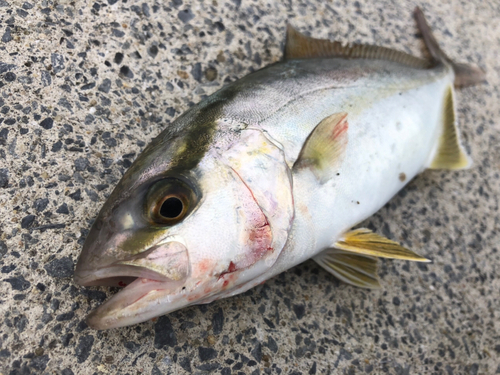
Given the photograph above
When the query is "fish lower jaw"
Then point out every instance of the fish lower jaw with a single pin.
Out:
(145, 299)
(126, 306)
(136, 303)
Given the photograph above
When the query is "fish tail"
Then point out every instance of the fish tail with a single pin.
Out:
(465, 75)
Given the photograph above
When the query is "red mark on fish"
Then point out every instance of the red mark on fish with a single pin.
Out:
(340, 129)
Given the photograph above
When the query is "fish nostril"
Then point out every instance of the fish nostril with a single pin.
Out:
(98, 224)
(112, 224)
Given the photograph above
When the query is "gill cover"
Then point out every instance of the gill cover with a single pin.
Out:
(261, 166)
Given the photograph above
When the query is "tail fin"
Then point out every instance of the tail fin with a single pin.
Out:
(465, 75)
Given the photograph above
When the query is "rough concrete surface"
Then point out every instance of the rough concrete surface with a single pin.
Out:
(86, 84)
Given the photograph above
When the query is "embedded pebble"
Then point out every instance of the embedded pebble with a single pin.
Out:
(4, 177)
(164, 333)
(18, 283)
(84, 347)
(47, 123)
(62, 267)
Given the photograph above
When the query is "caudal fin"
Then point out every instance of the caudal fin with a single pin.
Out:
(465, 75)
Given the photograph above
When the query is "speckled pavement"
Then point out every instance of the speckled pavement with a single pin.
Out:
(84, 86)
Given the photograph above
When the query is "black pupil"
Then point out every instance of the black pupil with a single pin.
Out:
(171, 208)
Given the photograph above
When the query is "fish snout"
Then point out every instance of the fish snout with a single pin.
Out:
(166, 261)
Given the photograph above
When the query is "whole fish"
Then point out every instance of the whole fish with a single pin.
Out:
(271, 170)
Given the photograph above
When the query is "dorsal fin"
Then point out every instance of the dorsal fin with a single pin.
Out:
(324, 149)
(299, 46)
(450, 153)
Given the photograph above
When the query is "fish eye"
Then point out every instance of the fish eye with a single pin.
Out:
(171, 208)
(169, 201)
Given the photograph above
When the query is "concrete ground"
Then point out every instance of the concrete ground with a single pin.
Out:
(86, 84)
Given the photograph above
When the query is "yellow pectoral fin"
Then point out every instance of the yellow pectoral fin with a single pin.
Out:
(325, 147)
(363, 241)
(357, 270)
(353, 259)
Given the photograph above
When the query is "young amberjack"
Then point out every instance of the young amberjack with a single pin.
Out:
(274, 169)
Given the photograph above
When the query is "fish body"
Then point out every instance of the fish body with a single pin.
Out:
(394, 115)
(272, 170)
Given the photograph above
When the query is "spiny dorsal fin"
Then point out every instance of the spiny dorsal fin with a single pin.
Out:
(299, 46)
(465, 75)
(450, 153)
(325, 147)
(363, 241)
(357, 270)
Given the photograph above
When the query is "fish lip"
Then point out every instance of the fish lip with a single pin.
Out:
(86, 277)
(123, 267)
(92, 277)
(137, 303)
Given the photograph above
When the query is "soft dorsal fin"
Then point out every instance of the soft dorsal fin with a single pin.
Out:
(325, 147)
(357, 270)
(450, 153)
(299, 46)
(363, 241)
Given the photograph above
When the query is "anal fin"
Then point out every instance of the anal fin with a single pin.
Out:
(357, 270)
(450, 153)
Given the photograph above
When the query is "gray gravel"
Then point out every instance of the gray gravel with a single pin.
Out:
(85, 85)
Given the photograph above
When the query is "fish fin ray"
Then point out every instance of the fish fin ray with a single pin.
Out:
(363, 241)
(357, 270)
(325, 147)
(299, 46)
(450, 153)
(465, 75)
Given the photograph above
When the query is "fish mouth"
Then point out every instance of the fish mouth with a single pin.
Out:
(139, 301)
(152, 283)
(115, 275)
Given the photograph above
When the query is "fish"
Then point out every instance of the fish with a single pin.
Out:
(271, 170)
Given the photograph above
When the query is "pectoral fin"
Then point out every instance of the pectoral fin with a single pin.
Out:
(357, 270)
(325, 147)
(363, 241)
(353, 259)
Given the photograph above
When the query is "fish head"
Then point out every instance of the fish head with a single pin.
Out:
(175, 233)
